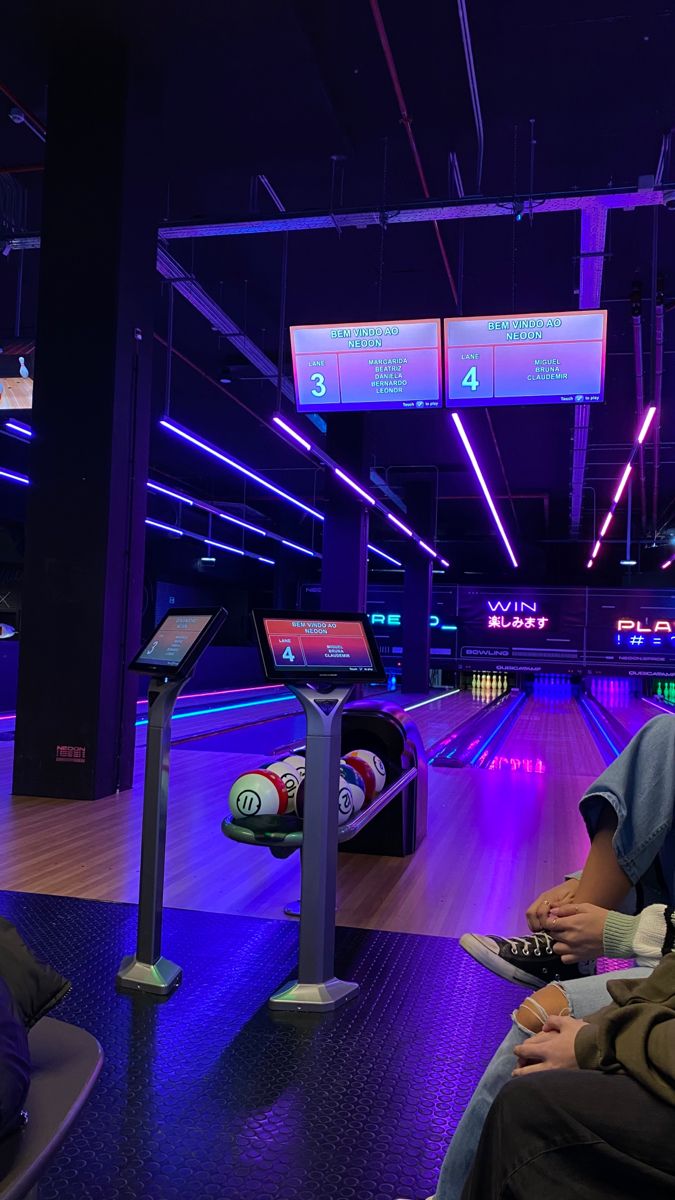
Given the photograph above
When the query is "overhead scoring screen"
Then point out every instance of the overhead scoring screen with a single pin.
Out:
(303, 646)
(358, 367)
(534, 358)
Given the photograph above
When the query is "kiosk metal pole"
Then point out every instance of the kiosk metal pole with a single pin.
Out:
(147, 970)
(316, 988)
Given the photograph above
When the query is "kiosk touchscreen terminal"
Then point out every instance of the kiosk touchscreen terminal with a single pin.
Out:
(318, 647)
(178, 641)
(320, 657)
(169, 656)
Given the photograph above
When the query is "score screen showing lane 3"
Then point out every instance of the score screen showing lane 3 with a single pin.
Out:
(367, 367)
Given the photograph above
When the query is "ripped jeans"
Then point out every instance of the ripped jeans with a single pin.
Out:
(584, 996)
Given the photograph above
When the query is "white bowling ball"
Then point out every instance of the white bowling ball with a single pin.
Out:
(376, 765)
(258, 794)
(297, 762)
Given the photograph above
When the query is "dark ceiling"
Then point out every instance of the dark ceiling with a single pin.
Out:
(573, 97)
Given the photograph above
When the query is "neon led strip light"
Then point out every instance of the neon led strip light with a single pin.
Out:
(302, 549)
(621, 487)
(486, 491)
(196, 537)
(432, 700)
(216, 512)
(13, 477)
(668, 563)
(206, 448)
(382, 554)
(327, 461)
(203, 712)
(17, 427)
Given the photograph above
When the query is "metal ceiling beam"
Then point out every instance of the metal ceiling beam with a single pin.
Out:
(455, 210)
(192, 291)
(591, 263)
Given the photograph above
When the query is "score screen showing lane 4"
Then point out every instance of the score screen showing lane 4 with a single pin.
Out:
(365, 367)
(534, 358)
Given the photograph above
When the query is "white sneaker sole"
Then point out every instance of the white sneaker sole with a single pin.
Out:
(498, 966)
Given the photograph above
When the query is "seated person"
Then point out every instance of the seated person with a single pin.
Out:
(629, 815)
(28, 989)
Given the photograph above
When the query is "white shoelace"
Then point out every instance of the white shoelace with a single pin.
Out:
(539, 939)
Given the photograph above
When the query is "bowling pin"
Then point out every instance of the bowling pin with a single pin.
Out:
(23, 369)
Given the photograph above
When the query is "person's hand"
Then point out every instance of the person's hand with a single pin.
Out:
(577, 931)
(539, 910)
(550, 1050)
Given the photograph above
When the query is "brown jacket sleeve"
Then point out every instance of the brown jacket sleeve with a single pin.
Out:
(636, 1034)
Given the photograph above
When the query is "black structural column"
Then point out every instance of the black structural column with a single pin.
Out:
(83, 579)
(344, 569)
(416, 636)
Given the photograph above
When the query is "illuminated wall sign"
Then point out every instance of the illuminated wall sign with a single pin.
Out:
(395, 619)
(515, 614)
(636, 635)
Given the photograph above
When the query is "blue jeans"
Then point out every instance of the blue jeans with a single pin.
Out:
(585, 996)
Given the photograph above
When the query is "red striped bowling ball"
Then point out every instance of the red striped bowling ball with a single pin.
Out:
(375, 763)
(257, 794)
(366, 772)
(289, 777)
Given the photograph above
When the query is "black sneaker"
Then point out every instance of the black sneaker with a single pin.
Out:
(528, 960)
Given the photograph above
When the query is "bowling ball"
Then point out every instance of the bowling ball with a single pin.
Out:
(375, 762)
(352, 777)
(367, 774)
(297, 762)
(289, 776)
(258, 793)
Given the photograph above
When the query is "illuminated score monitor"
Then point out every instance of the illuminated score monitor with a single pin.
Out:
(367, 366)
(177, 642)
(533, 358)
(16, 384)
(311, 647)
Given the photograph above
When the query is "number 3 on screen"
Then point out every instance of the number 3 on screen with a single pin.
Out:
(319, 382)
(471, 380)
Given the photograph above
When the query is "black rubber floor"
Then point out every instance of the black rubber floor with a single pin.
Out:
(208, 1095)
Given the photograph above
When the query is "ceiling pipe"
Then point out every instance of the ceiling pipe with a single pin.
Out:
(473, 88)
(658, 385)
(406, 121)
(27, 117)
(591, 263)
(636, 300)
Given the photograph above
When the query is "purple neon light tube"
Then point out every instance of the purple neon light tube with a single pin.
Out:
(13, 477)
(481, 479)
(206, 448)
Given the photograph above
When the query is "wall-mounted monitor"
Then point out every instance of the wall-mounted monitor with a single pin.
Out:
(367, 366)
(16, 384)
(532, 358)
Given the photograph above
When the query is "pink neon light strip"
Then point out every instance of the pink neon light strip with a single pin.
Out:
(605, 525)
(400, 525)
(428, 549)
(486, 491)
(645, 426)
(595, 549)
(624, 480)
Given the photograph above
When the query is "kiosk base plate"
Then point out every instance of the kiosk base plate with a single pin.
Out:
(313, 997)
(159, 978)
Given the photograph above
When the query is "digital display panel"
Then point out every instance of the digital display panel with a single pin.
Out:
(533, 358)
(302, 643)
(172, 642)
(16, 385)
(388, 623)
(367, 366)
(633, 629)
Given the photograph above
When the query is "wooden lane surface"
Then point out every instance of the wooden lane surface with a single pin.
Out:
(555, 733)
(495, 839)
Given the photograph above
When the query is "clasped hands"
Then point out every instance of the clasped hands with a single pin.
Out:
(550, 1050)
